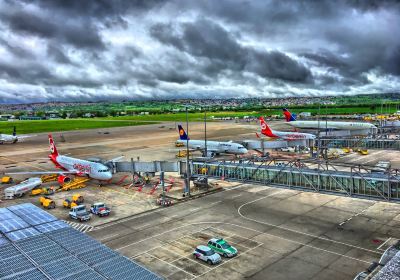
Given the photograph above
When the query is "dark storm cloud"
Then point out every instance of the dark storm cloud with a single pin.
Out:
(206, 39)
(79, 34)
(56, 49)
(57, 54)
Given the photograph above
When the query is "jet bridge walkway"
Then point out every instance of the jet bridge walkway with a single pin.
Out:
(362, 143)
(357, 181)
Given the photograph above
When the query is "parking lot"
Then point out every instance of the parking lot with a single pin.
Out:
(176, 257)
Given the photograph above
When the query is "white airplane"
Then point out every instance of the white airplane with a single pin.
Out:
(330, 125)
(12, 138)
(213, 147)
(74, 166)
(290, 136)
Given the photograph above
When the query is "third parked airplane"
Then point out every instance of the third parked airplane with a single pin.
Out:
(330, 125)
(290, 136)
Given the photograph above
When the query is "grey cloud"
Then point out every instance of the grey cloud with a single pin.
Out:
(56, 49)
(82, 34)
(206, 39)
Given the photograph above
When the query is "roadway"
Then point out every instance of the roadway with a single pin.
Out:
(280, 234)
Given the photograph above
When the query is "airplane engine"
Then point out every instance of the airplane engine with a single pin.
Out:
(62, 179)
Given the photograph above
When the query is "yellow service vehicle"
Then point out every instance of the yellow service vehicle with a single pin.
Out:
(182, 153)
(346, 150)
(179, 144)
(6, 180)
(363, 152)
(47, 202)
(75, 201)
(45, 191)
(49, 178)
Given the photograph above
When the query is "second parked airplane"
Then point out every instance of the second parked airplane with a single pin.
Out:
(289, 136)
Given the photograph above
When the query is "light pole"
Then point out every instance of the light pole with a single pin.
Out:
(205, 134)
(187, 154)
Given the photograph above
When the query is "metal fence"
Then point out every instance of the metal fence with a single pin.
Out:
(354, 183)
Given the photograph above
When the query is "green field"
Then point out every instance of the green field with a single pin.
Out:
(24, 127)
(76, 124)
(181, 117)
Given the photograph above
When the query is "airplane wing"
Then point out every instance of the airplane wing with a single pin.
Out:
(25, 136)
(40, 172)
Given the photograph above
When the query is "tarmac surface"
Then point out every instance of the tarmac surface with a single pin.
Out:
(280, 233)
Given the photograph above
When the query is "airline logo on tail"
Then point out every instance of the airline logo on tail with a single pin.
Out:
(182, 133)
(265, 128)
(289, 116)
(53, 149)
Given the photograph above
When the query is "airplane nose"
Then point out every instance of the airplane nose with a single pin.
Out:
(108, 175)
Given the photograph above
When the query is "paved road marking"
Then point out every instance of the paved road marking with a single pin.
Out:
(79, 226)
(171, 265)
(225, 262)
(383, 244)
(293, 230)
(108, 236)
(260, 232)
(355, 215)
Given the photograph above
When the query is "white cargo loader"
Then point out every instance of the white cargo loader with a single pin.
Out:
(22, 188)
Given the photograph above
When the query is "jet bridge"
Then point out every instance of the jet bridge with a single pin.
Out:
(362, 143)
(357, 181)
(147, 167)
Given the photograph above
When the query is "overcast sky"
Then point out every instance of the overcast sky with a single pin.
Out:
(113, 50)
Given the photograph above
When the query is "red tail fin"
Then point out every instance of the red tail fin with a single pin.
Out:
(53, 149)
(265, 128)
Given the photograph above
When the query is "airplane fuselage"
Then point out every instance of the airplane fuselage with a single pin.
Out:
(332, 125)
(291, 135)
(83, 167)
(215, 146)
(7, 138)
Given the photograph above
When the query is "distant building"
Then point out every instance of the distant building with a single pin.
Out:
(305, 114)
(30, 118)
(7, 116)
(52, 115)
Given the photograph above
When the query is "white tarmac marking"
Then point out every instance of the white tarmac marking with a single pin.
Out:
(296, 231)
(190, 259)
(261, 233)
(171, 264)
(355, 215)
(163, 241)
(383, 244)
(225, 262)
(143, 226)
(236, 196)
(155, 211)
(108, 236)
